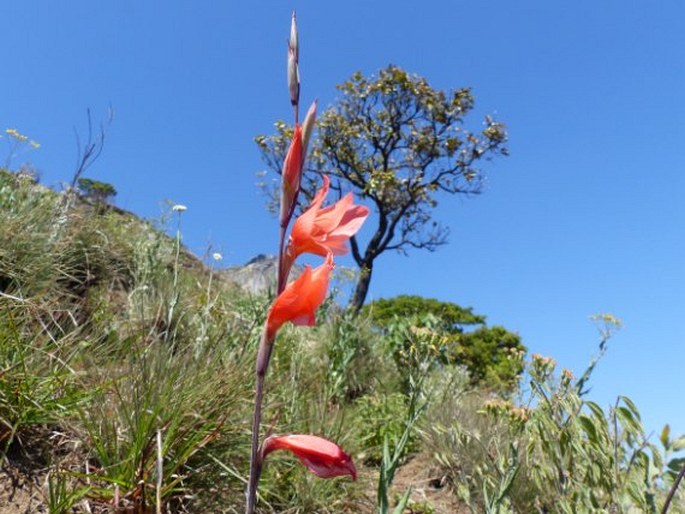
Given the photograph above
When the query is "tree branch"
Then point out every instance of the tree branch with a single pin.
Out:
(355, 251)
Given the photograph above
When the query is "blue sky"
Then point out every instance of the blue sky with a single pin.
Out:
(585, 216)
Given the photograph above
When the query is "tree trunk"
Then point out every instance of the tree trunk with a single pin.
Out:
(362, 287)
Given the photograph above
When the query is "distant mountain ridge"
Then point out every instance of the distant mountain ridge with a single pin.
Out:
(257, 276)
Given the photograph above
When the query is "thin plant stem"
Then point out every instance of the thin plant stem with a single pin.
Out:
(160, 472)
(615, 420)
(209, 283)
(178, 249)
(175, 297)
(280, 286)
(263, 358)
(255, 460)
(262, 365)
(206, 313)
(671, 493)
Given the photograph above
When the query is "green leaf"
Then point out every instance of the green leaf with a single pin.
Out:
(676, 464)
(664, 435)
(403, 502)
(628, 420)
(595, 408)
(588, 425)
(656, 456)
(678, 444)
(629, 403)
(635, 493)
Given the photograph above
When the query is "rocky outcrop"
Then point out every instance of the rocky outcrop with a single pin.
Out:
(258, 276)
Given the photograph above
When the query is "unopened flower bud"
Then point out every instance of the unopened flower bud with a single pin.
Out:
(294, 43)
(291, 176)
(293, 77)
(307, 127)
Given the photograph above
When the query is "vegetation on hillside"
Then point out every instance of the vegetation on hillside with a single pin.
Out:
(125, 386)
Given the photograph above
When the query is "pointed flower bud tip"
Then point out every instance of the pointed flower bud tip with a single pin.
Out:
(294, 43)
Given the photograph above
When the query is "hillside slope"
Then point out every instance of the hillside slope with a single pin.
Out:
(126, 386)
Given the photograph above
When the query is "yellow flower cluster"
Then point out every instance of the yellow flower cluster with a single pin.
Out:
(500, 407)
(18, 136)
(608, 319)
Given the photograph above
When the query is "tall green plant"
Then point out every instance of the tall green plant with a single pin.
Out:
(392, 458)
(557, 451)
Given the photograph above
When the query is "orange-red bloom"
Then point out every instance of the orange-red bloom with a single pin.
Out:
(325, 231)
(292, 171)
(323, 458)
(294, 164)
(300, 298)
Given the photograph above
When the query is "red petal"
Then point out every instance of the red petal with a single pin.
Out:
(322, 457)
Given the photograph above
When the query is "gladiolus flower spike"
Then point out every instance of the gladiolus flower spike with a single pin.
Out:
(324, 231)
(300, 299)
(322, 457)
(321, 231)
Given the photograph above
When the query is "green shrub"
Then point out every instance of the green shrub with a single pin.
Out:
(554, 452)
(452, 335)
(96, 191)
(380, 417)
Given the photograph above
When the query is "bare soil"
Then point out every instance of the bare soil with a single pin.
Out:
(430, 489)
(20, 491)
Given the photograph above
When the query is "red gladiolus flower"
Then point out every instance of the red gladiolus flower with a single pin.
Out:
(323, 458)
(292, 171)
(325, 231)
(300, 299)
